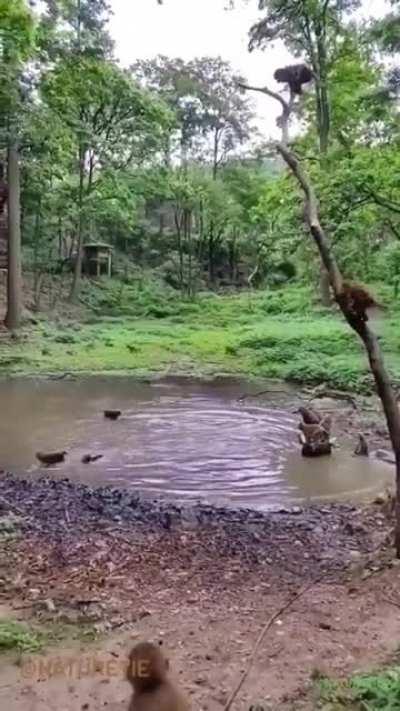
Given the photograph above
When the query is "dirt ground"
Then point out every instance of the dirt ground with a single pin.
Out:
(335, 629)
(205, 584)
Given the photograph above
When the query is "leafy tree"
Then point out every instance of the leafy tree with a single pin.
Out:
(227, 114)
(16, 42)
(75, 27)
(386, 31)
(203, 95)
(113, 123)
(310, 28)
(172, 80)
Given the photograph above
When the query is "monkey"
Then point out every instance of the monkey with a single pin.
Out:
(315, 436)
(112, 414)
(326, 424)
(362, 449)
(313, 433)
(51, 458)
(88, 458)
(310, 417)
(295, 75)
(152, 689)
(356, 301)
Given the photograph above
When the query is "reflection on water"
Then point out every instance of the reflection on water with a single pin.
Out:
(188, 441)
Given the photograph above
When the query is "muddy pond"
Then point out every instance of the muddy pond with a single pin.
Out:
(183, 440)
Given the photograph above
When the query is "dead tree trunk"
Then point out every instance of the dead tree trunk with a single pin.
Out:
(382, 380)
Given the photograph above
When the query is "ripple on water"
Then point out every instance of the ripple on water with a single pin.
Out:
(188, 441)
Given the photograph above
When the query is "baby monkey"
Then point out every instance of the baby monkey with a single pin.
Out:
(152, 689)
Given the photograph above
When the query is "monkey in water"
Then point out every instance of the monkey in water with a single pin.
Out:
(152, 689)
(295, 75)
(356, 300)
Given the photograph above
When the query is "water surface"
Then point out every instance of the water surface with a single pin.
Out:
(187, 440)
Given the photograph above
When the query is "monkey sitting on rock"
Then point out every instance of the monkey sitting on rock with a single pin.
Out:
(152, 688)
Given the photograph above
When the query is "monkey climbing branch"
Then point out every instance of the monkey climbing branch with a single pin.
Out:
(358, 324)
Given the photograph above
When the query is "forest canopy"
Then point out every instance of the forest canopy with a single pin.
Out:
(163, 160)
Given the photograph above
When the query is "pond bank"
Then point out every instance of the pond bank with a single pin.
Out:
(71, 520)
(203, 579)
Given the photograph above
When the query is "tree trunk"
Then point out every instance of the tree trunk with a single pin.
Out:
(178, 225)
(37, 267)
(323, 116)
(211, 256)
(188, 237)
(215, 154)
(14, 276)
(74, 293)
(324, 125)
(324, 287)
(232, 256)
(323, 105)
(397, 529)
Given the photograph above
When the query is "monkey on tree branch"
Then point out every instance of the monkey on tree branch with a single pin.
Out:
(295, 75)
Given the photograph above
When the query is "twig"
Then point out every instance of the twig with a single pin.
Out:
(391, 602)
(262, 634)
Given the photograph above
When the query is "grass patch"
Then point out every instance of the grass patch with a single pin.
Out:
(273, 334)
(19, 637)
(362, 692)
(23, 638)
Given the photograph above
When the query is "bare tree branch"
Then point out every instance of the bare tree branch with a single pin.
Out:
(287, 107)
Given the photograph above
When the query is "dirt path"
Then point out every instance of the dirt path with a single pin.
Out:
(332, 630)
(205, 581)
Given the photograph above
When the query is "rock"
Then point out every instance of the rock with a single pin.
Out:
(49, 605)
(200, 681)
(325, 626)
(349, 528)
(34, 592)
(385, 456)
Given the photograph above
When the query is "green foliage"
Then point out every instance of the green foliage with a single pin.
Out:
(378, 692)
(16, 45)
(102, 106)
(16, 30)
(204, 95)
(153, 330)
(68, 27)
(366, 692)
(16, 636)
